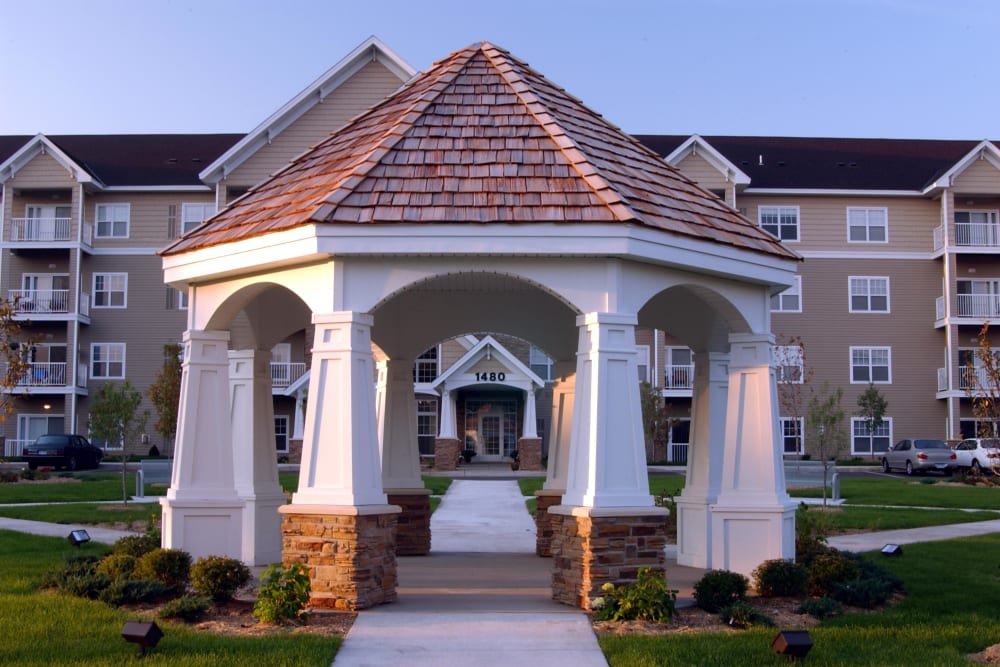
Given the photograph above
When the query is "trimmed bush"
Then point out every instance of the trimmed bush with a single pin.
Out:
(648, 599)
(283, 594)
(128, 591)
(219, 577)
(171, 567)
(811, 531)
(187, 607)
(135, 545)
(828, 570)
(719, 589)
(821, 607)
(118, 566)
(780, 578)
(742, 614)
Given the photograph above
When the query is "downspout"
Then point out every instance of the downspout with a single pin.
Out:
(948, 336)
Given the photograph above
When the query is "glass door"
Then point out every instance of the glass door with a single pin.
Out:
(489, 433)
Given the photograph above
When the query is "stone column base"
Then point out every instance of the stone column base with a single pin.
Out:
(529, 454)
(446, 453)
(350, 552)
(604, 544)
(544, 522)
(744, 536)
(413, 526)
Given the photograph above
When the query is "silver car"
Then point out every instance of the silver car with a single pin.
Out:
(978, 454)
(919, 456)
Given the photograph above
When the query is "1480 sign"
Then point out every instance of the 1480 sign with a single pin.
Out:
(491, 377)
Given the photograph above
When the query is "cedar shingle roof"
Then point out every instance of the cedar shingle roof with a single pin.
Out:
(480, 138)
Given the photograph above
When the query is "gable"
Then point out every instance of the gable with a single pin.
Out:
(981, 176)
(488, 363)
(43, 171)
(701, 172)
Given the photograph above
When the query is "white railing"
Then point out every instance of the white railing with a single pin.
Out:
(14, 447)
(39, 300)
(84, 304)
(939, 308)
(678, 452)
(284, 374)
(977, 379)
(679, 376)
(942, 379)
(985, 234)
(81, 375)
(45, 374)
(41, 230)
(939, 237)
(977, 305)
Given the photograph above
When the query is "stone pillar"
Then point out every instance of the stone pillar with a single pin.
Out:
(202, 512)
(529, 454)
(340, 523)
(254, 463)
(447, 446)
(545, 523)
(705, 453)
(753, 519)
(397, 427)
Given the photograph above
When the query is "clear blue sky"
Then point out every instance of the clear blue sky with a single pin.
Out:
(839, 68)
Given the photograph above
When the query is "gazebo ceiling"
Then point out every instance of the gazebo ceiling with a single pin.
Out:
(480, 138)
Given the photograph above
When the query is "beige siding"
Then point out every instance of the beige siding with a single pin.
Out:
(369, 86)
(701, 172)
(979, 177)
(43, 171)
(149, 216)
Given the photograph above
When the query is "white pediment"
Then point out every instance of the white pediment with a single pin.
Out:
(488, 363)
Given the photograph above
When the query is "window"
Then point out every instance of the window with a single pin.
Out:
(281, 433)
(976, 228)
(788, 364)
(540, 363)
(791, 435)
(780, 221)
(865, 441)
(110, 290)
(112, 221)
(975, 428)
(870, 364)
(427, 424)
(869, 294)
(789, 301)
(978, 298)
(193, 215)
(182, 299)
(642, 361)
(426, 367)
(107, 360)
(867, 225)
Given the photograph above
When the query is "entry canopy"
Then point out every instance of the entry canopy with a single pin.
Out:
(485, 363)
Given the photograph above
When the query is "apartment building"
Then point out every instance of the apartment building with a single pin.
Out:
(899, 240)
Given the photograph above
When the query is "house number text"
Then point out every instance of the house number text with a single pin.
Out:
(491, 377)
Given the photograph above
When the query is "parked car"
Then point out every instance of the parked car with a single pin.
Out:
(62, 451)
(978, 453)
(919, 455)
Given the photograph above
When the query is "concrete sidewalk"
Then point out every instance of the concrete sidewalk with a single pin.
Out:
(873, 541)
(104, 535)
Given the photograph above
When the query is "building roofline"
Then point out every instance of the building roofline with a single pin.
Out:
(42, 145)
(983, 150)
(695, 143)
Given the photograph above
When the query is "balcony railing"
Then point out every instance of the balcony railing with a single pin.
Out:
(40, 230)
(679, 376)
(43, 374)
(977, 305)
(983, 234)
(284, 373)
(29, 301)
(977, 380)
(13, 447)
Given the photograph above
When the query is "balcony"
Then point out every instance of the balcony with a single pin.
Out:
(39, 230)
(975, 235)
(980, 306)
(43, 374)
(968, 380)
(37, 301)
(285, 373)
(678, 380)
(13, 447)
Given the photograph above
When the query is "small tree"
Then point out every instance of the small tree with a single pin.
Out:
(115, 417)
(14, 357)
(793, 380)
(655, 424)
(872, 407)
(982, 374)
(165, 393)
(825, 423)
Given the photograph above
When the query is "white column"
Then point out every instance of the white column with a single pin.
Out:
(446, 429)
(530, 429)
(298, 419)
(396, 406)
(562, 422)
(754, 518)
(340, 457)
(254, 456)
(607, 466)
(202, 513)
(705, 460)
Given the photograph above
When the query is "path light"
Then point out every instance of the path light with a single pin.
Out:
(142, 633)
(78, 537)
(793, 643)
(892, 550)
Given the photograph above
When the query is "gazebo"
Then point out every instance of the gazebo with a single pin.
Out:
(479, 197)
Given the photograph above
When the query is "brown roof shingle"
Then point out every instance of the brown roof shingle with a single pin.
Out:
(480, 138)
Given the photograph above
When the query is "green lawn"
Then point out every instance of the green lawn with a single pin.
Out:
(912, 492)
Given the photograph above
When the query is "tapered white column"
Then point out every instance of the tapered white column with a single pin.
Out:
(562, 425)
(446, 429)
(753, 519)
(202, 512)
(530, 429)
(607, 466)
(396, 406)
(254, 456)
(340, 457)
(705, 459)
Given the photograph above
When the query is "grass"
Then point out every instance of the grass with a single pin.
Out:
(911, 492)
(92, 486)
(57, 629)
(949, 612)
(86, 513)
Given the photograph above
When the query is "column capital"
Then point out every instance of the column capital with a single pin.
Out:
(754, 349)
(588, 319)
(343, 316)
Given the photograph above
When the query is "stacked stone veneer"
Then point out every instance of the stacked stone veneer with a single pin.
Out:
(413, 525)
(446, 453)
(544, 526)
(529, 454)
(594, 546)
(350, 553)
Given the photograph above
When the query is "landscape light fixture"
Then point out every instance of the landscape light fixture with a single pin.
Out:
(892, 550)
(792, 643)
(78, 537)
(142, 633)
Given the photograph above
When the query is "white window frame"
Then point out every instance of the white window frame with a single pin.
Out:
(108, 277)
(976, 232)
(182, 299)
(540, 363)
(780, 298)
(427, 407)
(642, 362)
(862, 219)
(107, 360)
(788, 357)
(869, 349)
(113, 207)
(281, 419)
(195, 213)
(859, 430)
(780, 212)
(787, 432)
(423, 360)
(868, 282)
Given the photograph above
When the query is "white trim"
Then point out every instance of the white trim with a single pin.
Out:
(112, 205)
(792, 192)
(470, 358)
(717, 160)
(984, 149)
(780, 207)
(93, 289)
(868, 210)
(802, 435)
(41, 145)
(158, 188)
(850, 363)
(123, 251)
(794, 289)
(871, 451)
(855, 254)
(288, 433)
(93, 376)
(206, 209)
(869, 311)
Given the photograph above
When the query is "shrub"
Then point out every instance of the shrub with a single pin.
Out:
(831, 569)
(28, 474)
(742, 614)
(720, 588)
(822, 607)
(283, 594)
(648, 599)
(811, 531)
(127, 591)
(118, 566)
(865, 593)
(77, 576)
(870, 570)
(171, 567)
(781, 578)
(87, 586)
(187, 607)
(9, 477)
(135, 545)
(219, 577)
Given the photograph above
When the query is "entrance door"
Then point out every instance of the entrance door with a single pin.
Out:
(490, 434)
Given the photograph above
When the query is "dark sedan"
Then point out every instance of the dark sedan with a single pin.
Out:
(72, 452)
